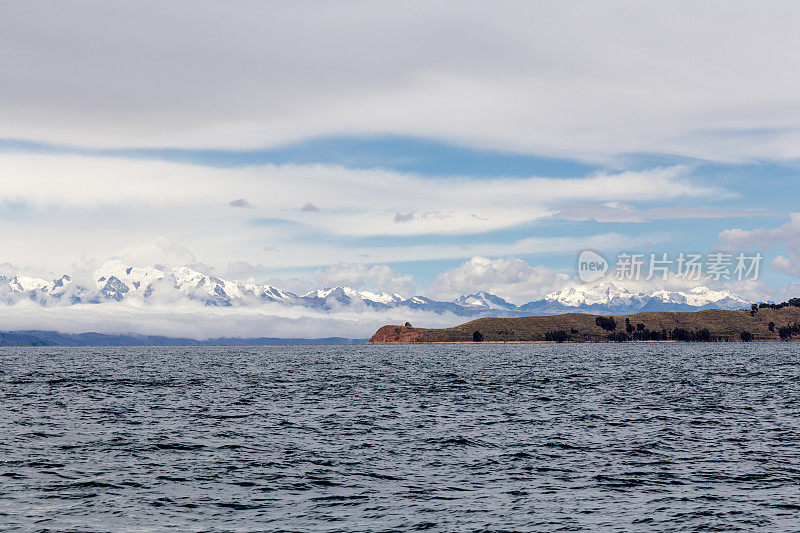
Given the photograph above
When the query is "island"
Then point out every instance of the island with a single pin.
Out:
(767, 322)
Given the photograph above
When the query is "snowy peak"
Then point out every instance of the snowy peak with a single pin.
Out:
(26, 284)
(483, 300)
(583, 295)
(608, 294)
(699, 297)
(349, 295)
(274, 294)
(116, 281)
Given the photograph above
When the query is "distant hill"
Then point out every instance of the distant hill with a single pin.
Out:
(53, 338)
(709, 325)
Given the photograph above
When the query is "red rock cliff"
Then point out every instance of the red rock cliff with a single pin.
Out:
(395, 335)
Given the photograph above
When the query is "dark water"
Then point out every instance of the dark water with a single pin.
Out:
(366, 438)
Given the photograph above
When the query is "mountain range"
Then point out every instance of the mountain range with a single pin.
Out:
(115, 281)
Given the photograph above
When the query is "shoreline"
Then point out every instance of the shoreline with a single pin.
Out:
(668, 341)
(712, 325)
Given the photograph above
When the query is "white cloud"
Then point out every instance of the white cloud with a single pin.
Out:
(173, 319)
(754, 290)
(512, 279)
(789, 234)
(581, 78)
(174, 254)
(243, 271)
(139, 200)
(621, 212)
(792, 290)
(520, 282)
(449, 204)
(374, 277)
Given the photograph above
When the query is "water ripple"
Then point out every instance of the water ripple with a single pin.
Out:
(364, 438)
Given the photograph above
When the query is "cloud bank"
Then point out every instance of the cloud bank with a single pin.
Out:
(579, 78)
(63, 197)
(788, 235)
(511, 278)
(200, 322)
(370, 277)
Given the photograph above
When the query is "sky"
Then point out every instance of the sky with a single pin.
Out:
(434, 148)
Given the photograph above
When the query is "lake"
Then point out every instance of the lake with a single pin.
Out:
(494, 437)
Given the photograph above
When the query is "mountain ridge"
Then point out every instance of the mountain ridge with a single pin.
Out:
(116, 281)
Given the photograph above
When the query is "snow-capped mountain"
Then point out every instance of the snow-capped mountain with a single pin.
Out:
(583, 295)
(484, 301)
(116, 281)
(609, 299)
(329, 298)
(699, 296)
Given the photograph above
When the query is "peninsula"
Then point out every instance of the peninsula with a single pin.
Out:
(767, 323)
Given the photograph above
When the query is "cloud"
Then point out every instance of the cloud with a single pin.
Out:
(754, 290)
(520, 282)
(621, 212)
(242, 203)
(788, 234)
(511, 278)
(174, 254)
(792, 290)
(509, 75)
(7, 269)
(309, 207)
(401, 218)
(244, 271)
(526, 246)
(449, 204)
(173, 319)
(374, 277)
(138, 200)
(412, 216)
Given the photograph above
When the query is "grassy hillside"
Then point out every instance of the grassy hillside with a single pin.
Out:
(711, 325)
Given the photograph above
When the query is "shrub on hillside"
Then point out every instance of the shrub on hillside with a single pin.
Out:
(606, 322)
(556, 336)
